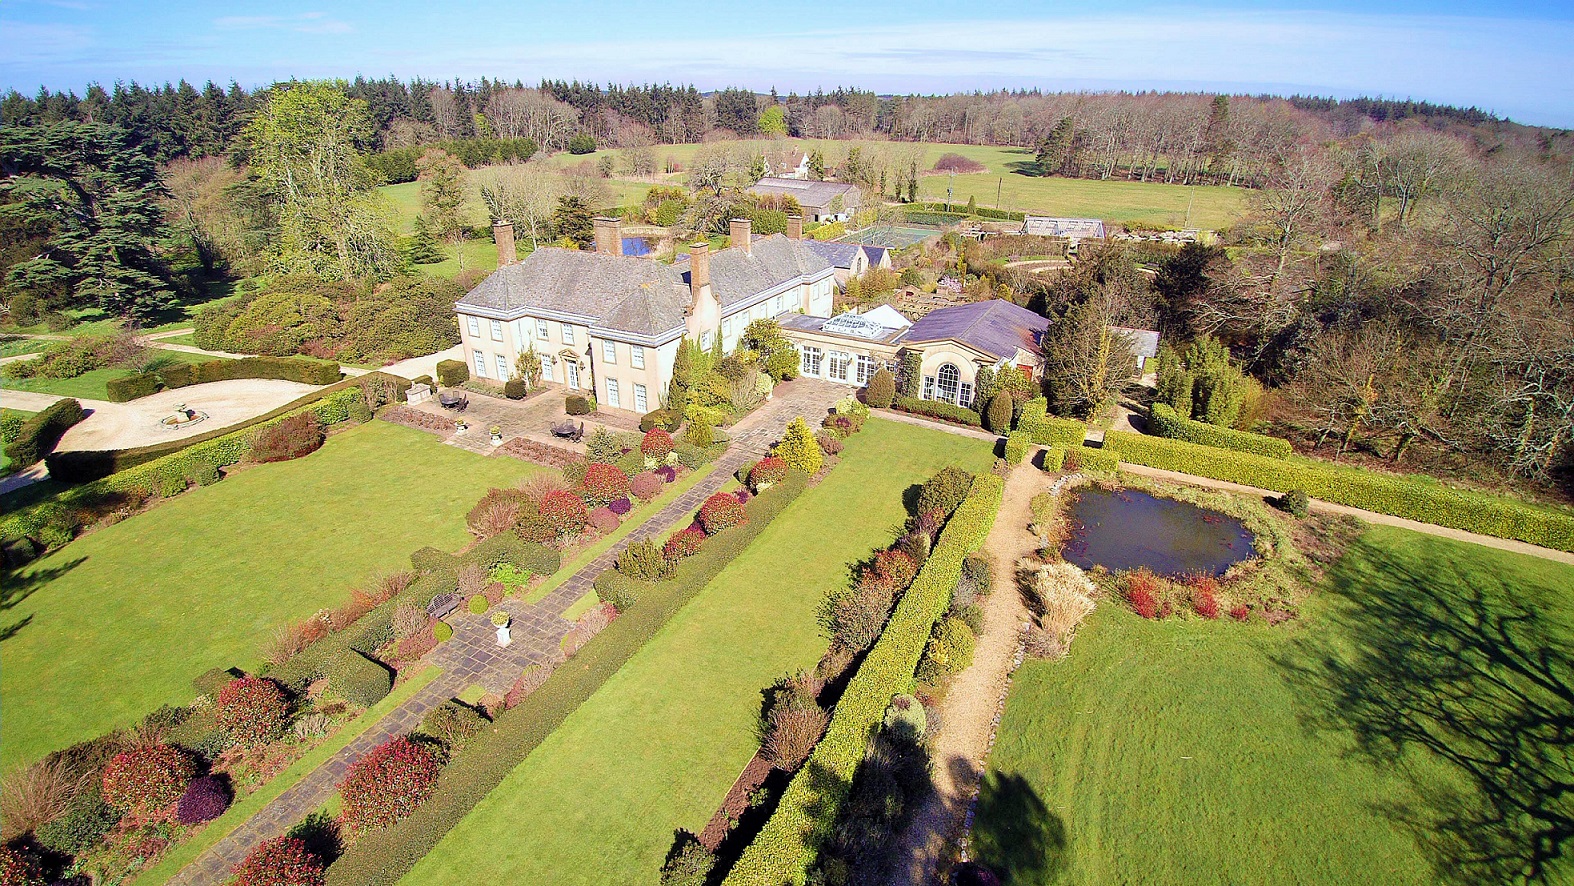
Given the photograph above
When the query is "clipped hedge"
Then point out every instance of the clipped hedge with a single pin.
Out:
(305, 370)
(1104, 461)
(384, 856)
(788, 844)
(1016, 447)
(1166, 422)
(81, 467)
(936, 409)
(1046, 430)
(452, 373)
(1401, 495)
(358, 679)
(38, 435)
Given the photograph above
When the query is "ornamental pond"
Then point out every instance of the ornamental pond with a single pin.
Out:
(1127, 529)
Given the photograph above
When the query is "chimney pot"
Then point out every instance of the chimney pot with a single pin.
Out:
(794, 227)
(742, 232)
(699, 267)
(609, 236)
(503, 236)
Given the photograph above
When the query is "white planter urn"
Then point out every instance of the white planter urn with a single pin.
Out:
(497, 439)
(503, 636)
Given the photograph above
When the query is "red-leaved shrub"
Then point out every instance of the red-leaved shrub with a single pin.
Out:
(766, 471)
(1205, 604)
(1142, 592)
(603, 484)
(657, 444)
(387, 784)
(564, 512)
(720, 511)
(1241, 612)
(293, 437)
(646, 486)
(282, 861)
(684, 544)
(604, 519)
(18, 868)
(146, 779)
(252, 710)
(205, 799)
(894, 569)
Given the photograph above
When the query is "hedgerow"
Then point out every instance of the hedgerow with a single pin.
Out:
(1046, 430)
(788, 844)
(38, 435)
(936, 409)
(297, 369)
(384, 856)
(1081, 458)
(1016, 447)
(1166, 422)
(1400, 495)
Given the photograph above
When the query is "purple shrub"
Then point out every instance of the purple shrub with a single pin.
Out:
(621, 506)
(668, 473)
(205, 799)
(742, 496)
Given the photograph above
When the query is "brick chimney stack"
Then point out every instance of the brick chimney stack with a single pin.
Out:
(699, 266)
(503, 236)
(609, 236)
(742, 231)
(794, 227)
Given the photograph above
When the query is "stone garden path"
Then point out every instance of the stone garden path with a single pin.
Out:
(473, 657)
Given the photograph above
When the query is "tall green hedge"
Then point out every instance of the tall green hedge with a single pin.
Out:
(1166, 422)
(1400, 495)
(1046, 430)
(298, 369)
(1103, 460)
(38, 435)
(383, 857)
(1016, 447)
(790, 840)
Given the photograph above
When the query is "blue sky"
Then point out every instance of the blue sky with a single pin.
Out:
(1512, 58)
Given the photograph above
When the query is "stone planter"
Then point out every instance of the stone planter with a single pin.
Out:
(503, 636)
(497, 439)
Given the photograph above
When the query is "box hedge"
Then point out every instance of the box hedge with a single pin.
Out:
(1103, 461)
(937, 409)
(451, 373)
(789, 842)
(1046, 430)
(358, 679)
(386, 855)
(1054, 459)
(297, 369)
(1401, 495)
(38, 435)
(1016, 447)
(1166, 422)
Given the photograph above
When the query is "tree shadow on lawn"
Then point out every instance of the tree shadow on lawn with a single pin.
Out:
(1015, 834)
(1455, 661)
(17, 586)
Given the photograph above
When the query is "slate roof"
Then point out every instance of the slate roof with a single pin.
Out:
(995, 327)
(737, 276)
(1144, 342)
(619, 292)
(840, 255)
(876, 254)
(808, 193)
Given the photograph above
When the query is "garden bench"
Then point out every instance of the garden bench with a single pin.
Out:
(442, 604)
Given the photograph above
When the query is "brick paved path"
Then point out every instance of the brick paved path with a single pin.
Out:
(472, 656)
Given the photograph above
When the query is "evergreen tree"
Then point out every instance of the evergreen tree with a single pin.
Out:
(683, 371)
(1174, 381)
(882, 389)
(99, 199)
(424, 248)
(799, 449)
(997, 415)
(572, 220)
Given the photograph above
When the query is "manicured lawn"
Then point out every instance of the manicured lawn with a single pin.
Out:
(11, 346)
(1327, 751)
(93, 385)
(658, 746)
(120, 621)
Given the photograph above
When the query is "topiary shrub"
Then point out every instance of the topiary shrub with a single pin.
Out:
(646, 486)
(252, 711)
(451, 373)
(997, 415)
(38, 435)
(146, 779)
(945, 491)
(564, 511)
(478, 605)
(685, 543)
(881, 391)
(949, 652)
(131, 387)
(442, 632)
(387, 784)
(282, 861)
(358, 679)
(293, 437)
(719, 512)
(205, 799)
(574, 404)
(644, 561)
(603, 484)
(515, 389)
(1016, 448)
(1296, 503)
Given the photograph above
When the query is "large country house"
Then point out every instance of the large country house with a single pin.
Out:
(610, 324)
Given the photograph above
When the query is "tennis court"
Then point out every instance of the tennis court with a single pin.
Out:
(891, 236)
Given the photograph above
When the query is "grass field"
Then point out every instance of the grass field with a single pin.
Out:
(659, 745)
(94, 385)
(1399, 733)
(120, 621)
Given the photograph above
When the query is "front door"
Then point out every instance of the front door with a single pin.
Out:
(571, 372)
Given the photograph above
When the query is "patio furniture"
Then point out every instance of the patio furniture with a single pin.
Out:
(453, 401)
(442, 604)
(568, 431)
(579, 434)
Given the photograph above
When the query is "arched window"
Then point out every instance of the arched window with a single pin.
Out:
(948, 380)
